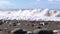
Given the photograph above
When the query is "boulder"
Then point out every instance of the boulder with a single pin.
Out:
(43, 31)
(19, 31)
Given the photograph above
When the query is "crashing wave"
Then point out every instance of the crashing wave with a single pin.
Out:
(31, 14)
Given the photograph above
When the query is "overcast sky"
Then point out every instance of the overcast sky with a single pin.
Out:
(14, 4)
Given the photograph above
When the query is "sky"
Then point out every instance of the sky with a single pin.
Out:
(29, 4)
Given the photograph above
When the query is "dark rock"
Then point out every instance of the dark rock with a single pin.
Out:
(19, 31)
(43, 31)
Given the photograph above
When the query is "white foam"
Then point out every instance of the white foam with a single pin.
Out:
(34, 14)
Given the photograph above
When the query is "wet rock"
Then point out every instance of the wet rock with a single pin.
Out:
(18, 31)
(43, 31)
